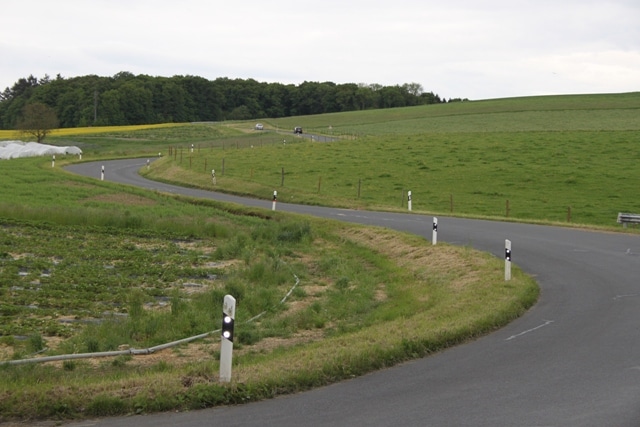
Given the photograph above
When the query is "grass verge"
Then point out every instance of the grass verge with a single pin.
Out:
(436, 297)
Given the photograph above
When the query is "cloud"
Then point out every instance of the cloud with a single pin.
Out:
(458, 48)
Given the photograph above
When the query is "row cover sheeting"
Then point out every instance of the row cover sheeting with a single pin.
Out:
(16, 149)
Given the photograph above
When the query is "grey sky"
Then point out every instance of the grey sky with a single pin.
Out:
(456, 48)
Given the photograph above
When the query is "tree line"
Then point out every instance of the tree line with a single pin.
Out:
(128, 99)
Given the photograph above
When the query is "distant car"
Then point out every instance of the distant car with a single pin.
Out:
(259, 126)
(297, 130)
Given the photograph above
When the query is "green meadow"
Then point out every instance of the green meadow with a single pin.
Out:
(90, 266)
(553, 159)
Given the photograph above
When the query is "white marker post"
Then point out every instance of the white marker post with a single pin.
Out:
(434, 235)
(53, 161)
(275, 198)
(226, 341)
(507, 260)
(148, 164)
(409, 200)
(102, 174)
(192, 148)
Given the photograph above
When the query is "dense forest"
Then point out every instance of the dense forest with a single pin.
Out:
(128, 99)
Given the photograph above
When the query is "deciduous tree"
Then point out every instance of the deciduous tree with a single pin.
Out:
(37, 120)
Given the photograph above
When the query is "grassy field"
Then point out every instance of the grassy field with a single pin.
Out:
(553, 159)
(88, 266)
(547, 113)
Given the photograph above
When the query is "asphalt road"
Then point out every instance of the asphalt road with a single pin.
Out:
(572, 360)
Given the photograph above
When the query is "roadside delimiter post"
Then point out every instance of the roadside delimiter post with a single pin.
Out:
(226, 340)
(434, 235)
(507, 260)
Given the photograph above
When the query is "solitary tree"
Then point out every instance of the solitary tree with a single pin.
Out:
(37, 120)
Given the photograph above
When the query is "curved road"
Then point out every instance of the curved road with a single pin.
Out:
(573, 360)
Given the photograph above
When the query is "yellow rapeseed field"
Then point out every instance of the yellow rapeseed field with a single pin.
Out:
(9, 134)
(106, 129)
(14, 134)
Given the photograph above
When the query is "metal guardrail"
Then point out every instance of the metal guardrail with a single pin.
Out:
(628, 218)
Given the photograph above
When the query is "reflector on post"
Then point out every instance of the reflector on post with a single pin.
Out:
(227, 327)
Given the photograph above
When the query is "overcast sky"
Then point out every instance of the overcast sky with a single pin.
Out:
(455, 48)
